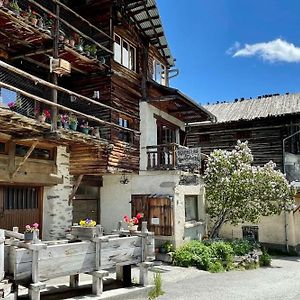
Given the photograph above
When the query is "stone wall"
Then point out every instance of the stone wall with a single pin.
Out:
(57, 214)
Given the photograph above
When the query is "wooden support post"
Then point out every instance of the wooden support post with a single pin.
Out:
(74, 281)
(97, 285)
(75, 188)
(23, 160)
(144, 267)
(35, 290)
(123, 274)
(2, 239)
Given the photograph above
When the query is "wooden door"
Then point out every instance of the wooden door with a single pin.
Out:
(157, 212)
(19, 206)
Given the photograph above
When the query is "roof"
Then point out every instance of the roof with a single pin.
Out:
(179, 105)
(145, 15)
(272, 106)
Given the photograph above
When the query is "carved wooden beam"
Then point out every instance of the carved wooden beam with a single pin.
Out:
(75, 188)
(23, 160)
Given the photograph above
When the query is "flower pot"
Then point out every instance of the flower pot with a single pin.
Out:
(83, 233)
(73, 126)
(72, 43)
(79, 48)
(42, 119)
(34, 21)
(85, 130)
(66, 125)
(28, 237)
(59, 124)
(132, 228)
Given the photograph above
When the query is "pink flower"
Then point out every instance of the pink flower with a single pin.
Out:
(139, 216)
(35, 225)
(27, 227)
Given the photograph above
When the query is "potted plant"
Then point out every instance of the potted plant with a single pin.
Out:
(43, 116)
(14, 7)
(59, 120)
(79, 44)
(86, 229)
(33, 17)
(132, 223)
(29, 232)
(85, 128)
(73, 122)
(93, 51)
(87, 50)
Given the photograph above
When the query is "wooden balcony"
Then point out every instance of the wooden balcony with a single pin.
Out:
(174, 157)
(162, 157)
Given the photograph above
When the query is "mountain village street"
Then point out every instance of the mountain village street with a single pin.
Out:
(281, 281)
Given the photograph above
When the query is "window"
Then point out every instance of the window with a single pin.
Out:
(20, 198)
(125, 136)
(2, 148)
(166, 132)
(7, 96)
(159, 72)
(191, 208)
(250, 233)
(37, 153)
(124, 53)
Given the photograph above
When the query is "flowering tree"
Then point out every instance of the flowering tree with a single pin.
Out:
(238, 192)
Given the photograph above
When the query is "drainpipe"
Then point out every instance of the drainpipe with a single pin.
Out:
(284, 171)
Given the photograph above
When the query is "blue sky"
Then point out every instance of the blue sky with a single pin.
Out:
(208, 40)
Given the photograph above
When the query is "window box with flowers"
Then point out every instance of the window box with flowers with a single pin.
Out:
(86, 229)
(85, 128)
(73, 122)
(132, 223)
(30, 231)
(43, 115)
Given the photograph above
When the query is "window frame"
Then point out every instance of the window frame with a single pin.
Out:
(131, 63)
(161, 80)
(125, 136)
(195, 198)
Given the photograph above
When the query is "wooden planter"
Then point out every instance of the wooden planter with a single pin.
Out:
(83, 233)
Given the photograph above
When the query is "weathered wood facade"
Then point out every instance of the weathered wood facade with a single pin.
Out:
(263, 125)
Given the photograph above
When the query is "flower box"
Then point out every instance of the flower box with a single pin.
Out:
(83, 233)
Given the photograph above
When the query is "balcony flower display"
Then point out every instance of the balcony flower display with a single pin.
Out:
(29, 231)
(85, 128)
(43, 116)
(132, 223)
(87, 223)
(86, 229)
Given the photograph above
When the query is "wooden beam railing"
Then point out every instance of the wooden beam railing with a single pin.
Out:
(162, 157)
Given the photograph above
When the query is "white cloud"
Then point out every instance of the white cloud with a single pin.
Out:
(274, 51)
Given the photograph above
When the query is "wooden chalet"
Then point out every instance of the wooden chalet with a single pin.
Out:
(267, 123)
(107, 65)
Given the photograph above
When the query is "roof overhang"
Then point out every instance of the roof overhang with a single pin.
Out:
(177, 104)
(145, 14)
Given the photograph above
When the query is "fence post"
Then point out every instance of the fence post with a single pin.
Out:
(2, 239)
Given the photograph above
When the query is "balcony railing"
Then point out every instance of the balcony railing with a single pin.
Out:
(174, 157)
(162, 157)
(33, 99)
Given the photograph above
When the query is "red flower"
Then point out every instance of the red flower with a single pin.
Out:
(135, 220)
(139, 216)
(126, 219)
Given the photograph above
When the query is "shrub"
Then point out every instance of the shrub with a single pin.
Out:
(194, 254)
(242, 247)
(222, 251)
(216, 267)
(265, 260)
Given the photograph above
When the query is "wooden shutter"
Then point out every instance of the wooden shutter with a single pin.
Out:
(157, 208)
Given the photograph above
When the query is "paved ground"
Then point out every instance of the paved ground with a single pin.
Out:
(281, 281)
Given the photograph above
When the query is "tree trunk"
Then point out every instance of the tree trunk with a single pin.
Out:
(217, 227)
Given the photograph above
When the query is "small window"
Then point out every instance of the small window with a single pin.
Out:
(125, 135)
(124, 53)
(2, 148)
(37, 153)
(191, 208)
(250, 233)
(20, 198)
(159, 72)
(243, 135)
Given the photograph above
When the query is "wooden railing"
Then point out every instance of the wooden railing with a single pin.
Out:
(162, 157)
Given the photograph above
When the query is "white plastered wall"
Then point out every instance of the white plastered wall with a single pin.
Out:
(116, 197)
(148, 128)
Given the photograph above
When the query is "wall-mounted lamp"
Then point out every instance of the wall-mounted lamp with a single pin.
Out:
(124, 179)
